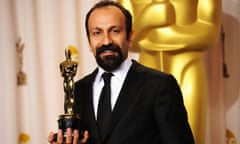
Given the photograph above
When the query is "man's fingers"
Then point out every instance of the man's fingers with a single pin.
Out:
(75, 136)
(85, 137)
(50, 137)
(60, 136)
(69, 136)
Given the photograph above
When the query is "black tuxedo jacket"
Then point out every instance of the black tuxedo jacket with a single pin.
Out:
(149, 110)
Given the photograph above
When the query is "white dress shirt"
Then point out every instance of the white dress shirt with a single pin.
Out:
(117, 81)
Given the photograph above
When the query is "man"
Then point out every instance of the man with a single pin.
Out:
(146, 105)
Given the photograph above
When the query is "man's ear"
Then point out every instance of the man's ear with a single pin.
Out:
(131, 37)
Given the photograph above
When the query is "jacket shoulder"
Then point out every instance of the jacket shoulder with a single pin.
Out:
(87, 79)
(148, 71)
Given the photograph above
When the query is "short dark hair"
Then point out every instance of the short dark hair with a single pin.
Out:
(104, 3)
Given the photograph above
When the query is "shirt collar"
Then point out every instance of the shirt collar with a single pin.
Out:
(119, 73)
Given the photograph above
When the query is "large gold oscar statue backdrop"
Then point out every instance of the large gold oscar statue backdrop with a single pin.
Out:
(172, 35)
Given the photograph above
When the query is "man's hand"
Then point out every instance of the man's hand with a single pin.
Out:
(72, 137)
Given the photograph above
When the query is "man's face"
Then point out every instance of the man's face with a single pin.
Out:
(108, 38)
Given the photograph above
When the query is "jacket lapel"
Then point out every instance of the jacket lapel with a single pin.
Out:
(89, 106)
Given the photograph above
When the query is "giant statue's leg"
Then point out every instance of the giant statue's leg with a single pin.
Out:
(188, 68)
(194, 89)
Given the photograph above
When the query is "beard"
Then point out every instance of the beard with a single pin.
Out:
(109, 62)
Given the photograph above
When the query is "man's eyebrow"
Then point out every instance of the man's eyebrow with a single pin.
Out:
(115, 27)
(95, 28)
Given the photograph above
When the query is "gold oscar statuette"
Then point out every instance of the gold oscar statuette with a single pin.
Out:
(69, 119)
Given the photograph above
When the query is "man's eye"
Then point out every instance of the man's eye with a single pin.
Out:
(116, 30)
(96, 33)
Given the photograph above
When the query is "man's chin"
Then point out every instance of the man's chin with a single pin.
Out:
(109, 63)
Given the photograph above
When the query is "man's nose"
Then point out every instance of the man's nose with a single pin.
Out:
(107, 39)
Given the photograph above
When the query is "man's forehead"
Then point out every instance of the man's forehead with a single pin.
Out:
(109, 16)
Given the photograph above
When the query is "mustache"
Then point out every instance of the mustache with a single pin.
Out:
(111, 47)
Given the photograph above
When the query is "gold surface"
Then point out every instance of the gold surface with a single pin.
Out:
(68, 70)
(24, 138)
(172, 36)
